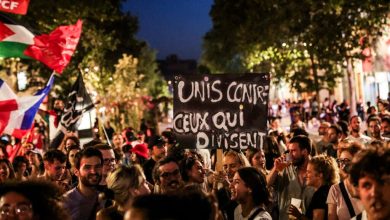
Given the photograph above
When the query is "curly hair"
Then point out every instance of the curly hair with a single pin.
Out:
(370, 162)
(328, 167)
(43, 195)
(350, 147)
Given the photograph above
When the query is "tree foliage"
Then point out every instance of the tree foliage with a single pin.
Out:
(116, 65)
(304, 42)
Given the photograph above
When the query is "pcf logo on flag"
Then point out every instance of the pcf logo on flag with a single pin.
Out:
(14, 6)
(10, 5)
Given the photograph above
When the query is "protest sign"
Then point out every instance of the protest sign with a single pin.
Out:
(221, 111)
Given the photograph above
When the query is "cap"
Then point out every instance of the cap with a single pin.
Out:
(156, 141)
(141, 150)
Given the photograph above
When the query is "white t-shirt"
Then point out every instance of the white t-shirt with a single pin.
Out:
(364, 216)
(263, 215)
(363, 139)
(336, 197)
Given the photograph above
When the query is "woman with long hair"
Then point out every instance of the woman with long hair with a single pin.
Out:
(341, 202)
(192, 171)
(257, 159)
(6, 170)
(249, 189)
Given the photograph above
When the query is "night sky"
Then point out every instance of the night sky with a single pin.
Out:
(172, 26)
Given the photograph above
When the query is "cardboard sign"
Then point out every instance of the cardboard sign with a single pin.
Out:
(14, 6)
(221, 111)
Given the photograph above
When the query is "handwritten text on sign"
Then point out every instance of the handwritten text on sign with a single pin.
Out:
(227, 111)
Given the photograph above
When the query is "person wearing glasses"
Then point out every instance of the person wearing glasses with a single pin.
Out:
(167, 177)
(109, 161)
(341, 202)
(31, 200)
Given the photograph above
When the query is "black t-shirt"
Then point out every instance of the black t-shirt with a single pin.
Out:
(318, 201)
(148, 170)
(226, 205)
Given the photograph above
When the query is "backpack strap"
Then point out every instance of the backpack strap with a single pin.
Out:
(359, 217)
(255, 213)
(346, 199)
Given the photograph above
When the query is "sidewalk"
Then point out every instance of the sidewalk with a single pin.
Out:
(311, 127)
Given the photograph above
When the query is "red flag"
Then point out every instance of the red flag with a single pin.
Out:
(56, 49)
(14, 6)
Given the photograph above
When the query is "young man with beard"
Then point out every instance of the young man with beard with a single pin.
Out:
(323, 142)
(355, 134)
(158, 149)
(374, 129)
(82, 201)
(333, 134)
(288, 175)
(166, 175)
(385, 127)
(370, 173)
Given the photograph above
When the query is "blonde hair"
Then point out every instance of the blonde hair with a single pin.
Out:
(122, 179)
(241, 158)
(328, 167)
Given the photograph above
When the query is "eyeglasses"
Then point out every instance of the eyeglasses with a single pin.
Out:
(109, 161)
(343, 161)
(19, 209)
(168, 174)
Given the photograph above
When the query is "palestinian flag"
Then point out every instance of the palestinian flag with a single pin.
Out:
(54, 49)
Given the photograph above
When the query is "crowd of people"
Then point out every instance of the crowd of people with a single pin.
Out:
(343, 174)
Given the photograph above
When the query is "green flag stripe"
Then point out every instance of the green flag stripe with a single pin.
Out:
(12, 49)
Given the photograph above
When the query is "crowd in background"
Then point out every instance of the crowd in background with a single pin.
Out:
(340, 173)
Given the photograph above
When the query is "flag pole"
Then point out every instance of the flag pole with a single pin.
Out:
(104, 131)
(98, 117)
